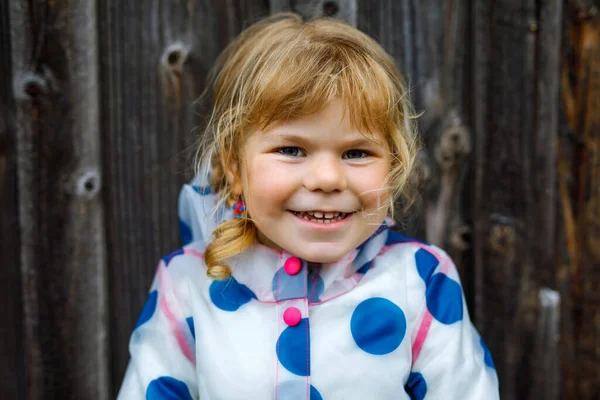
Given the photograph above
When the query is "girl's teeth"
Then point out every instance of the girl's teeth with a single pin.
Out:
(320, 217)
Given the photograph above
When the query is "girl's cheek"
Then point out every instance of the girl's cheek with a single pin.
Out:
(268, 183)
(269, 176)
(374, 196)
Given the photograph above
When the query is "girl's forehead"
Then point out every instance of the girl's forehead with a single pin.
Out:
(336, 114)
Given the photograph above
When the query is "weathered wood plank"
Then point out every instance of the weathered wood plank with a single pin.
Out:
(12, 362)
(154, 60)
(545, 364)
(54, 64)
(579, 158)
(501, 226)
(516, 86)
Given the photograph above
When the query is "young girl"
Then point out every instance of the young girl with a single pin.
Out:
(291, 284)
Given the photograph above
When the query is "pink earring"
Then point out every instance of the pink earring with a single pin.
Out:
(238, 208)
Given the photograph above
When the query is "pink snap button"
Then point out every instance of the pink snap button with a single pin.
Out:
(292, 266)
(292, 316)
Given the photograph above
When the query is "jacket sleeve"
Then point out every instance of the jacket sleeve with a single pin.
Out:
(450, 360)
(162, 348)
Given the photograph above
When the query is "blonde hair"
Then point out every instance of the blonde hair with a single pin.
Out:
(282, 68)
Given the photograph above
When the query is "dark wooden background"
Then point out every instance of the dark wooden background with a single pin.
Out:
(96, 114)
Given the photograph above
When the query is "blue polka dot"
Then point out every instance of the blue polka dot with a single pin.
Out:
(297, 390)
(202, 190)
(315, 286)
(444, 299)
(229, 295)
(314, 394)
(426, 264)
(167, 388)
(148, 310)
(167, 259)
(293, 348)
(378, 326)
(395, 238)
(363, 270)
(185, 232)
(416, 387)
(487, 356)
(190, 323)
(297, 286)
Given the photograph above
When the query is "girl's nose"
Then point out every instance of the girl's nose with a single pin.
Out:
(327, 174)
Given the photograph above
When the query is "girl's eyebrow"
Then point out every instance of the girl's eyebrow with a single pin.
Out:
(287, 137)
(302, 141)
(361, 142)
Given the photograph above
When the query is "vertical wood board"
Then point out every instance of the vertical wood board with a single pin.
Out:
(54, 63)
(516, 87)
(12, 363)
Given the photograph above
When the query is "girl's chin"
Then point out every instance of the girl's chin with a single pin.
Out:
(323, 253)
(311, 251)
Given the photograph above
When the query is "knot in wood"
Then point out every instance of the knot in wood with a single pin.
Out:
(88, 183)
(29, 86)
(453, 146)
(460, 237)
(502, 239)
(171, 70)
(174, 57)
(330, 8)
(585, 13)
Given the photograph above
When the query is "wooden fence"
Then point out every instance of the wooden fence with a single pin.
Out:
(96, 114)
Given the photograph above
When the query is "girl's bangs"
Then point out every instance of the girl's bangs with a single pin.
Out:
(303, 84)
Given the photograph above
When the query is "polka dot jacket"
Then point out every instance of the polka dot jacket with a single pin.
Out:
(389, 321)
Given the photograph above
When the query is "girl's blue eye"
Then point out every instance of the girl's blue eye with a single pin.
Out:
(355, 154)
(291, 151)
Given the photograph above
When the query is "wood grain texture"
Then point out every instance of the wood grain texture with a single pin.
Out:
(12, 362)
(579, 161)
(501, 226)
(515, 207)
(60, 211)
(154, 61)
(542, 170)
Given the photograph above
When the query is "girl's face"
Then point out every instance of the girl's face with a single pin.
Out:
(314, 185)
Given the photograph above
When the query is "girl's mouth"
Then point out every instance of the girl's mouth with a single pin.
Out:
(321, 217)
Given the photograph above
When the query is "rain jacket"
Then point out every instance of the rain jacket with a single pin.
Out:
(388, 321)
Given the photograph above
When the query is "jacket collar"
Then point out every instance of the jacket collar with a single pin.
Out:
(261, 271)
